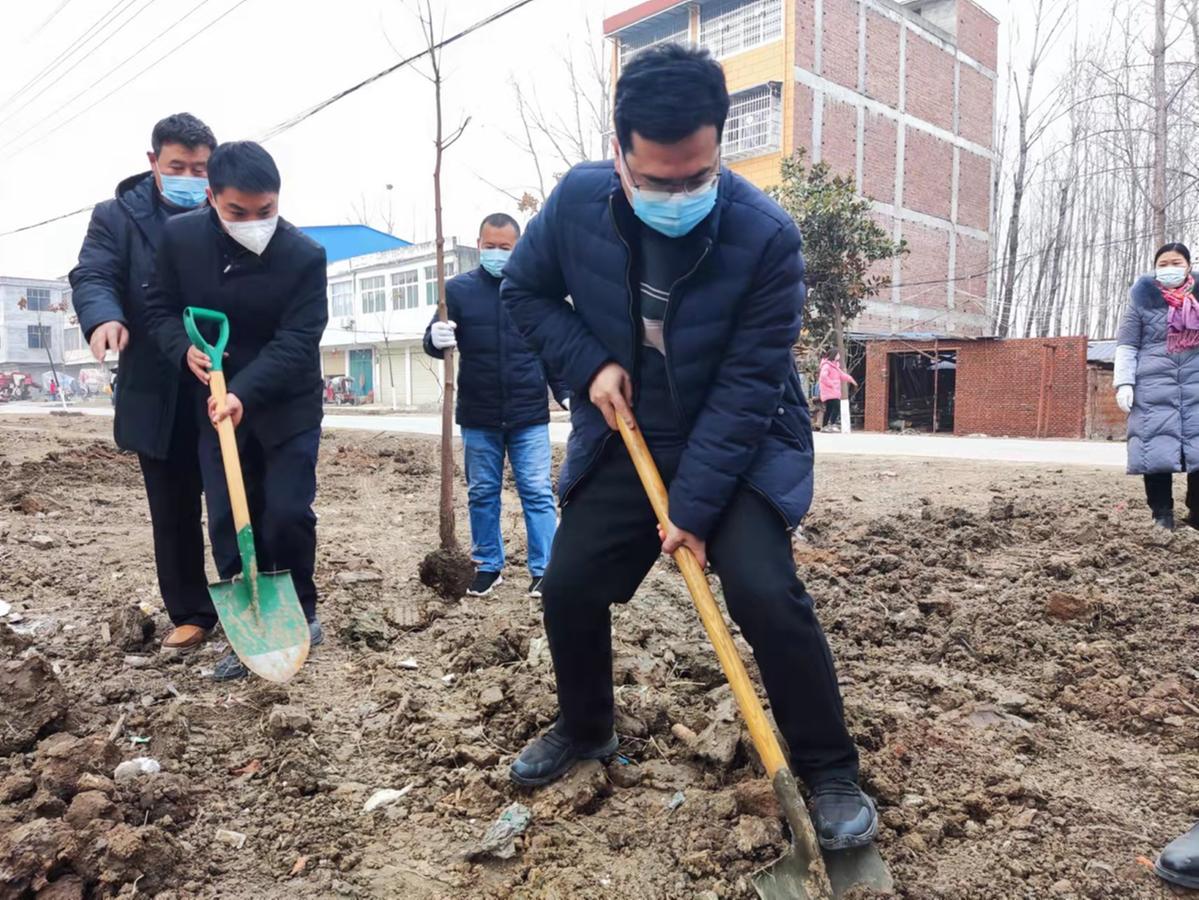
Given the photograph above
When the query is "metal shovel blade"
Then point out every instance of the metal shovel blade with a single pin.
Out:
(805, 872)
(264, 623)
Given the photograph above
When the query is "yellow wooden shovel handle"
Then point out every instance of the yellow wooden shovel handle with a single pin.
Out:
(760, 730)
(229, 455)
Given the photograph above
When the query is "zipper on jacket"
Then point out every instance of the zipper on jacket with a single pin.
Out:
(502, 339)
(634, 319)
(670, 304)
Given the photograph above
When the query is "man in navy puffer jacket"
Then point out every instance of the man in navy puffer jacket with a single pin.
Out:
(686, 290)
(503, 409)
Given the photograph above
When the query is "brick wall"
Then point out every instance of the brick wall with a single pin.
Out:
(972, 261)
(998, 385)
(974, 190)
(976, 106)
(1105, 420)
(929, 82)
(878, 158)
(805, 25)
(802, 120)
(978, 34)
(839, 47)
(927, 260)
(927, 173)
(882, 59)
(839, 138)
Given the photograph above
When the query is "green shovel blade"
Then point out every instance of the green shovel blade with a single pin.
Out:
(263, 619)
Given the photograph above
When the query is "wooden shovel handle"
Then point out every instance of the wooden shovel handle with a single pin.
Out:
(229, 454)
(760, 730)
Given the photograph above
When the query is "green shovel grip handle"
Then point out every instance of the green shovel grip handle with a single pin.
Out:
(195, 314)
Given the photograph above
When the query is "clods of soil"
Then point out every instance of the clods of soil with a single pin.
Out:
(1017, 649)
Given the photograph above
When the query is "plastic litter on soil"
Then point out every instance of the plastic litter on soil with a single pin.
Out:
(1019, 655)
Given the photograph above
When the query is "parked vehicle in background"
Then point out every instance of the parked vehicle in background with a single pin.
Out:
(343, 391)
(92, 382)
(17, 386)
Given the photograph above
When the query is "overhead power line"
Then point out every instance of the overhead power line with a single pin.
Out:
(57, 218)
(46, 21)
(63, 74)
(282, 126)
(95, 83)
(295, 120)
(123, 84)
(75, 45)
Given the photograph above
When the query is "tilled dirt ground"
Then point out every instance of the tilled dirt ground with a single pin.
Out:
(1019, 655)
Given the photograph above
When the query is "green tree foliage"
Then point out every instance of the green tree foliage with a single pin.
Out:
(842, 244)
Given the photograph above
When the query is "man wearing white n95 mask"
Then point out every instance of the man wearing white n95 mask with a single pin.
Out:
(240, 258)
(503, 409)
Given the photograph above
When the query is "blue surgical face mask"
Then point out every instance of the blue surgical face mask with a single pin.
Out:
(673, 215)
(186, 191)
(493, 260)
(1171, 276)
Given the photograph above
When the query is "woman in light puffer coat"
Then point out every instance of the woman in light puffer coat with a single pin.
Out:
(1157, 381)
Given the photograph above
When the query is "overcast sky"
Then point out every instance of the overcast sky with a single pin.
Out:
(262, 63)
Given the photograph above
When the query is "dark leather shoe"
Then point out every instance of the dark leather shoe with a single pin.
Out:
(1164, 520)
(1179, 862)
(553, 755)
(843, 815)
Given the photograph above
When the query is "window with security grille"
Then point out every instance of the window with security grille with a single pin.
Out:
(731, 26)
(405, 289)
(755, 122)
(38, 298)
(38, 337)
(669, 27)
(374, 294)
(341, 299)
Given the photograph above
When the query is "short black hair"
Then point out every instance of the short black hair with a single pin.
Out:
(182, 128)
(1172, 248)
(499, 220)
(244, 166)
(668, 92)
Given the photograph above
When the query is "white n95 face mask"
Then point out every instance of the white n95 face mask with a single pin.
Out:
(253, 235)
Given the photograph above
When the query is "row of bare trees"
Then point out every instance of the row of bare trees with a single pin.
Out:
(1099, 148)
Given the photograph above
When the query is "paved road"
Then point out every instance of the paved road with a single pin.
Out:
(1017, 450)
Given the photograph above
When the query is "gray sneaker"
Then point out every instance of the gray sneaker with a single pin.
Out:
(230, 668)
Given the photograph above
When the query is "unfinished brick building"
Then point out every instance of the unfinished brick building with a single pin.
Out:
(898, 96)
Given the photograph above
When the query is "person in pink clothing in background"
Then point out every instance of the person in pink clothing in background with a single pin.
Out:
(832, 376)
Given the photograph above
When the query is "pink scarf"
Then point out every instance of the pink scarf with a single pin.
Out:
(1183, 317)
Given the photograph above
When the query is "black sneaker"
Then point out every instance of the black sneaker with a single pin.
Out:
(535, 587)
(484, 584)
(843, 815)
(553, 755)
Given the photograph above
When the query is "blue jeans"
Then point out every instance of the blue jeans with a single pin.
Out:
(528, 450)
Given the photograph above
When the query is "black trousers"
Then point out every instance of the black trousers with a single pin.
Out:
(832, 412)
(174, 489)
(606, 544)
(1159, 491)
(280, 489)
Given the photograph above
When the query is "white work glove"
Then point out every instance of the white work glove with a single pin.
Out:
(442, 335)
(1124, 397)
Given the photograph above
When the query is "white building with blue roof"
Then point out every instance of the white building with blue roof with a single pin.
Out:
(382, 294)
